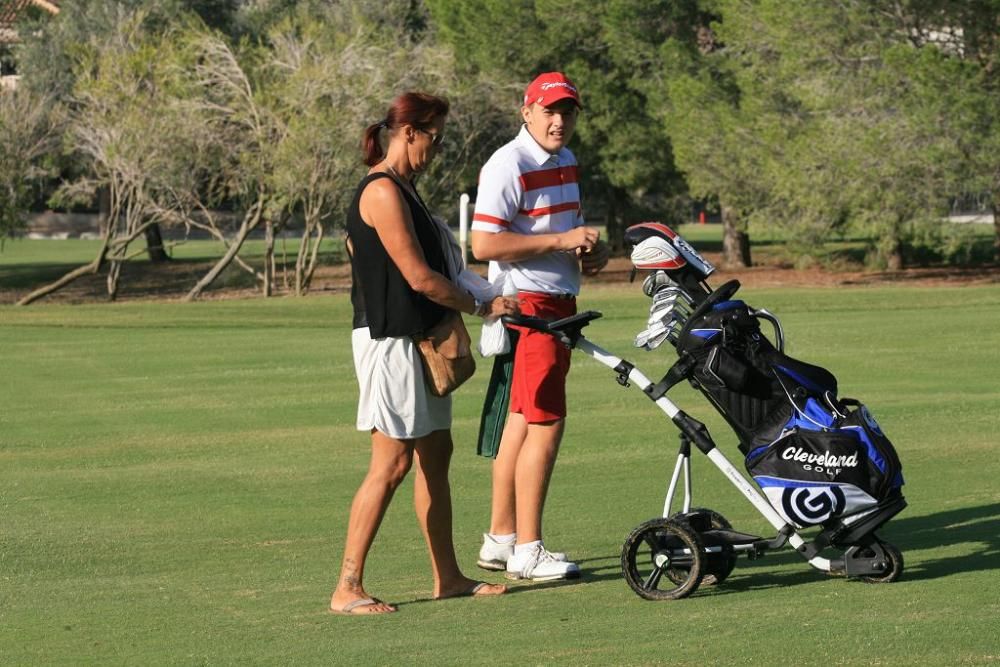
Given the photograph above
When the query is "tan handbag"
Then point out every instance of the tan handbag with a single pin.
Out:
(446, 352)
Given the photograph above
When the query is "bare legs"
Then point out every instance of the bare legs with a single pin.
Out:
(432, 502)
(390, 462)
(521, 474)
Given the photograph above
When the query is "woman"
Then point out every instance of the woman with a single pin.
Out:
(400, 260)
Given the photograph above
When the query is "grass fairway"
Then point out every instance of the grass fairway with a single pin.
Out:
(175, 481)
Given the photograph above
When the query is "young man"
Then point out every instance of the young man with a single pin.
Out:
(528, 222)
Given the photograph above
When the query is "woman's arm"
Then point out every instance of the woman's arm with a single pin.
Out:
(382, 207)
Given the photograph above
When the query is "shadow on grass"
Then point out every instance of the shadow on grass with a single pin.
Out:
(590, 574)
(26, 276)
(979, 526)
(138, 279)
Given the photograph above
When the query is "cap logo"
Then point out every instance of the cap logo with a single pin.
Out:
(563, 84)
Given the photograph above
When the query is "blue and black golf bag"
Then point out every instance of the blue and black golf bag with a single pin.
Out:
(816, 456)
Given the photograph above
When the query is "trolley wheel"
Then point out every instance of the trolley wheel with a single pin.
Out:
(719, 565)
(895, 564)
(663, 546)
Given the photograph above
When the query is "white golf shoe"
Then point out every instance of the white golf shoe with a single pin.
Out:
(538, 564)
(494, 555)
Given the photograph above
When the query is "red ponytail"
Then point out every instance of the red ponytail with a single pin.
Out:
(370, 145)
(417, 109)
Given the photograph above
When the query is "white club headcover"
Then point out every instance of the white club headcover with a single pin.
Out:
(656, 253)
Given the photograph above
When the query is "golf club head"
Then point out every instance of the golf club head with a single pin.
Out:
(668, 313)
(654, 281)
(657, 248)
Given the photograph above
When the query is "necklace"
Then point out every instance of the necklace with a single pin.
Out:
(408, 187)
(398, 177)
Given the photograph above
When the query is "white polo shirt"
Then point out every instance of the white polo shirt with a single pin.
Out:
(525, 189)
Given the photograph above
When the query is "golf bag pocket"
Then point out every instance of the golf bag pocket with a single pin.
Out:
(725, 369)
(813, 476)
(881, 451)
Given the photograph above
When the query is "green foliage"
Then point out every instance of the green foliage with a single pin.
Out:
(134, 123)
(828, 115)
(927, 241)
(816, 118)
(493, 34)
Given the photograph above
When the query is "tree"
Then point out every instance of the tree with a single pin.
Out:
(713, 131)
(825, 115)
(29, 134)
(300, 98)
(974, 37)
(137, 138)
(48, 58)
(628, 170)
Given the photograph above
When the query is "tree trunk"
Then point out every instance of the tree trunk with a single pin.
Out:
(300, 259)
(114, 273)
(313, 257)
(154, 245)
(894, 261)
(996, 227)
(613, 225)
(268, 286)
(92, 267)
(893, 248)
(250, 222)
(104, 209)
(735, 241)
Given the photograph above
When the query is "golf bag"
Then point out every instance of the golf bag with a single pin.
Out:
(815, 456)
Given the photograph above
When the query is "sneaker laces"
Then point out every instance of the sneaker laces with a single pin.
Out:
(538, 556)
(553, 555)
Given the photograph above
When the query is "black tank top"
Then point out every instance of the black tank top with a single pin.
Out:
(379, 293)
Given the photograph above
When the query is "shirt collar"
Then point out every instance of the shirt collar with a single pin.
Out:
(539, 154)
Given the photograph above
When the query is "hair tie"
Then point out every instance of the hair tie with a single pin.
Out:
(383, 123)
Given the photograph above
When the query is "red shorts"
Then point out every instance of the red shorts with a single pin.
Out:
(541, 363)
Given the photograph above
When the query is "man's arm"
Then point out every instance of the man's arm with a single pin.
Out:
(510, 246)
(497, 203)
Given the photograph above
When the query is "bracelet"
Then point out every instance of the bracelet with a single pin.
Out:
(482, 307)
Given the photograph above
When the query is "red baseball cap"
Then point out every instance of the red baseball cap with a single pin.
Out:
(549, 88)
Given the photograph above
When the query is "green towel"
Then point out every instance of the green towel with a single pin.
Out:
(497, 401)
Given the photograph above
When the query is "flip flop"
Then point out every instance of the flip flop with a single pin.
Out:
(469, 592)
(349, 608)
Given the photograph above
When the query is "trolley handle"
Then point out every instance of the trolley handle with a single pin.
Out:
(567, 330)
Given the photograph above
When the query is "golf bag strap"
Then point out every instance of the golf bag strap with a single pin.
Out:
(680, 371)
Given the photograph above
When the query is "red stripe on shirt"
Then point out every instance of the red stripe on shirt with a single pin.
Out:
(482, 217)
(548, 210)
(545, 178)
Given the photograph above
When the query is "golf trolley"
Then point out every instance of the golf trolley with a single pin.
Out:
(819, 460)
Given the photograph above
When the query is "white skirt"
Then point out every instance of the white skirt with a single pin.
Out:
(394, 398)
